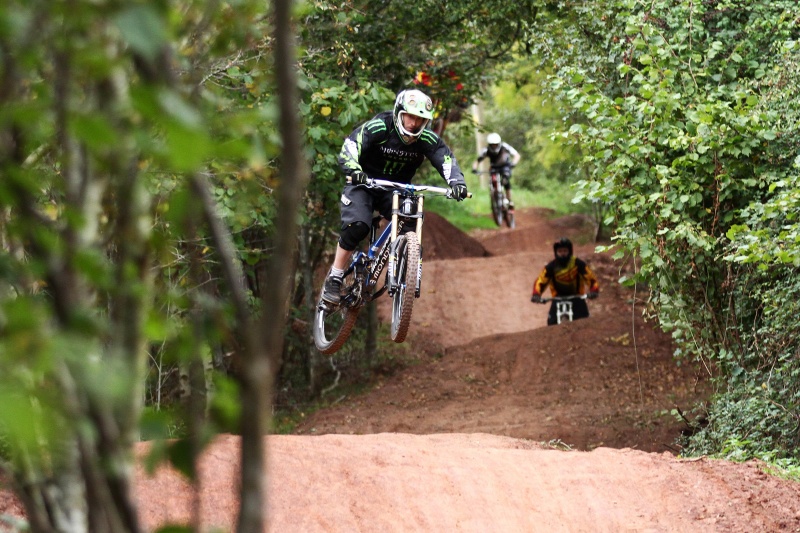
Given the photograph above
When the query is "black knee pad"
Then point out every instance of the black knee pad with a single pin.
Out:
(352, 235)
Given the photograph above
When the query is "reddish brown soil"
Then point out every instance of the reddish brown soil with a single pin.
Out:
(501, 424)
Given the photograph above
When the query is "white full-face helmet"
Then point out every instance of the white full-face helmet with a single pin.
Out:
(494, 141)
(415, 103)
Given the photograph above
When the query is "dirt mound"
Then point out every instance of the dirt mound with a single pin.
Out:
(476, 483)
(442, 240)
(541, 385)
(609, 380)
(537, 229)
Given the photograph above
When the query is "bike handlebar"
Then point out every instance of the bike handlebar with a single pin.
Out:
(443, 191)
(564, 298)
(490, 171)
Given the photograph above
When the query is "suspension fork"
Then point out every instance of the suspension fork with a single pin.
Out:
(421, 215)
(397, 225)
(390, 278)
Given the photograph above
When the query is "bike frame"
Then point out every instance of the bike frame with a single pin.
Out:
(382, 250)
(401, 250)
(374, 260)
(498, 190)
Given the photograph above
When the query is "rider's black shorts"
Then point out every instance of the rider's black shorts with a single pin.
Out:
(358, 203)
(505, 175)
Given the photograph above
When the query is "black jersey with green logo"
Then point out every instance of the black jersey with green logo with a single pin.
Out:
(376, 149)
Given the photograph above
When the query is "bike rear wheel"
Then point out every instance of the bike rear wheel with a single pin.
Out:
(333, 323)
(406, 276)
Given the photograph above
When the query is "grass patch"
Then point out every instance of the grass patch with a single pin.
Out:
(787, 469)
(467, 215)
(476, 212)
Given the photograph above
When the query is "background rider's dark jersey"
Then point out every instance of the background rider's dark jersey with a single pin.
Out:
(503, 157)
(376, 149)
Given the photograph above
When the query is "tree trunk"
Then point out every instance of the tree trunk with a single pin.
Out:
(260, 365)
(371, 342)
(307, 272)
(480, 140)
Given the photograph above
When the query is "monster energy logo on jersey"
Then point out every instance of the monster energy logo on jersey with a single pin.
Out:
(392, 167)
(396, 153)
(429, 137)
(375, 126)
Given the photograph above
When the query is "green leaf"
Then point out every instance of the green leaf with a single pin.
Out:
(187, 148)
(143, 29)
(180, 456)
(95, 131)
(175, 106)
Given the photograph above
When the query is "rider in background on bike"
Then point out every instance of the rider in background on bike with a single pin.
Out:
(392, 146)
(566, 276)
(502, 157)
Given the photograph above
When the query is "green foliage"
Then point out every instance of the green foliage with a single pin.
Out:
(390, 42)
(104, 117)
(683, 112)
(520, 109)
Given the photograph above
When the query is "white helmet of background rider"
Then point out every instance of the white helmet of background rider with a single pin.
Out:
(416, 103)
(494, 141)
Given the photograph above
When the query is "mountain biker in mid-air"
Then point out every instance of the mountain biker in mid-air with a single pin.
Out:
(502, 157)
(392, 145)
(566, 276)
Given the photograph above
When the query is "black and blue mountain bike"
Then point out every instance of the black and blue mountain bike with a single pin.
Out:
(396, 250)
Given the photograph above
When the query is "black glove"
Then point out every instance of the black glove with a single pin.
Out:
(358, 178)
(474, 170)
(592, 295)
(536, 298)
(459, 191)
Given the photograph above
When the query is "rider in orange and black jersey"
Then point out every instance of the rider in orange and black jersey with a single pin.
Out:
(566, 276)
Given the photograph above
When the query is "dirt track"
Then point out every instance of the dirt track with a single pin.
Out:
(504, 425)
(472, 438)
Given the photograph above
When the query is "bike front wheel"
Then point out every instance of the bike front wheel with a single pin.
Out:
(509, 217)
(497, 208)
(406, 278)
(333, 323)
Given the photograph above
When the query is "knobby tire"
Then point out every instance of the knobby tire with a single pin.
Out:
(406, 275)
(497, 210)
(509, 217)
(333, 324)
